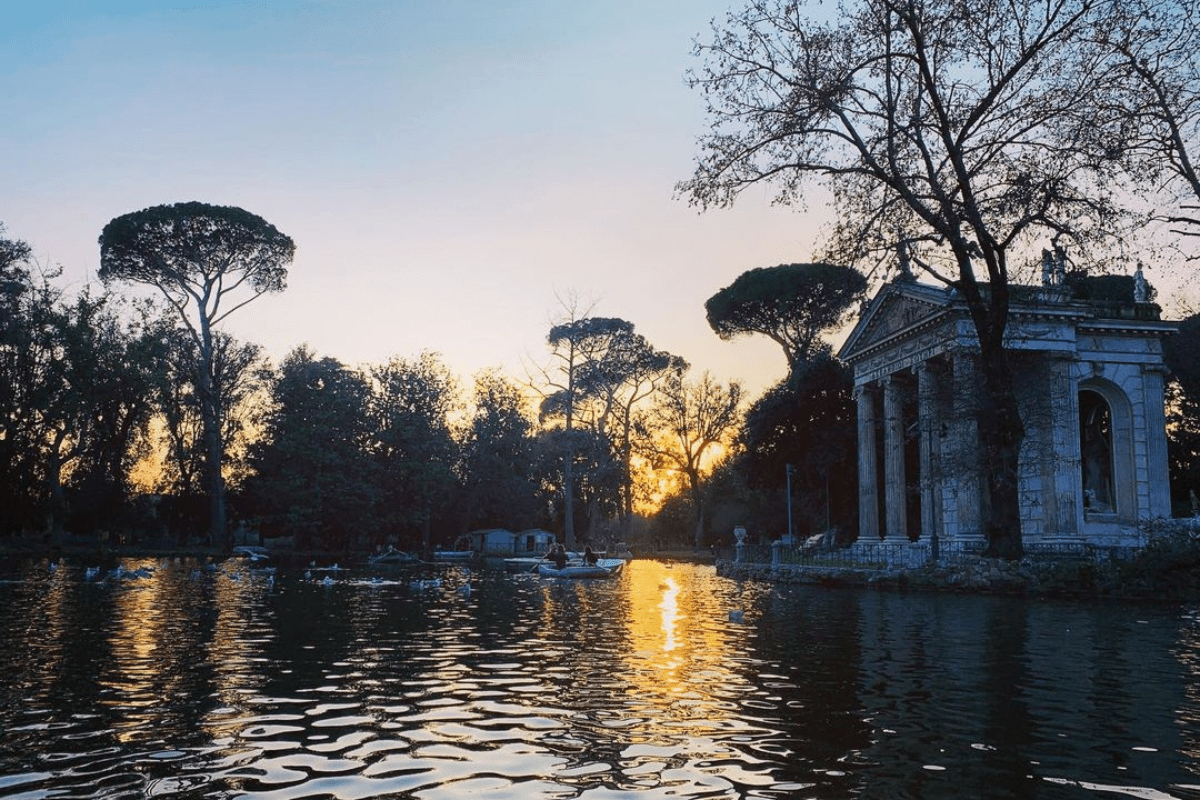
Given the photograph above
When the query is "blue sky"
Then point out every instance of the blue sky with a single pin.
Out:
(448, 170)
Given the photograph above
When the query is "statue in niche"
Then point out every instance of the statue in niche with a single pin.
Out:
(1095, 440)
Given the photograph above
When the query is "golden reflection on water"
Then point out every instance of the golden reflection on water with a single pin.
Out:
(138, 674)
(681, 648)
(234, 649)
(654, 621)
(647, 684)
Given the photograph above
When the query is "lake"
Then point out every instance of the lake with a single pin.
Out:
(669, 682)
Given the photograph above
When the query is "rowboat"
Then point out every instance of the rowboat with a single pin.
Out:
(393, 556)
(603, 568)
(453, 555)
(529, 564)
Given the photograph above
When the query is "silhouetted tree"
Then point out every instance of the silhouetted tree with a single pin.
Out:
(791, 304)
(312, 474)
(1147, 110)
(207, 261)
(413, 443)
(111, 365)
(1182, 354)
(74, 399)
(575, 344)
(500, 458)
(25, 308)
(686, 424)
(807, 421)
(14, 277)
(950, 129)
(238, 370)
(625, 375)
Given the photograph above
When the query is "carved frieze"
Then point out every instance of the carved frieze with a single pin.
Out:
(907, 353)
(897, 313)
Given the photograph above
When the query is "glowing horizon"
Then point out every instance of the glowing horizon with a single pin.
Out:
(447, 171)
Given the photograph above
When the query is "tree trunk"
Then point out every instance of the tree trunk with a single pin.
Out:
(427, 530)
(569, 498)
(569, 464)
(58, 501)
(1001, 433)
(698, 502)
(210, 411)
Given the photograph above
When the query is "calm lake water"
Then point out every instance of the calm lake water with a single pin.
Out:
(668, 682)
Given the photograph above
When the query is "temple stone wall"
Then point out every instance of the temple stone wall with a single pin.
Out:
(1090, 389)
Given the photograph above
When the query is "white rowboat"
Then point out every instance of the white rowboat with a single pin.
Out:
(603, 568)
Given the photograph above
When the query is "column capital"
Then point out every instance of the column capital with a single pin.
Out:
(868, 389)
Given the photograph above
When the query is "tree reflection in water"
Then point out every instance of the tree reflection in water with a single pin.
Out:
(206, 682)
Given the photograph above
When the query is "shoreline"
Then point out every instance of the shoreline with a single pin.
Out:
(1078, 580)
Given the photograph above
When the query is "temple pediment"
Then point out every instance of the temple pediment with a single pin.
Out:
(897, 308)
(1088, 383)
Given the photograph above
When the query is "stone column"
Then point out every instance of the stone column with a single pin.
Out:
(1063, 494)
(868, 489)
(893, 462)
(928, 426)
(964, 463)
(1156, 444)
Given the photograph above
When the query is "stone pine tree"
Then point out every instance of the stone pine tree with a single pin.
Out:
(625, 377)
(790, 304)
(804, 419)
(575, 344)
(207, 261)
(947, 131)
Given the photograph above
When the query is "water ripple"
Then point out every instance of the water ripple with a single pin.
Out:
(194, 681)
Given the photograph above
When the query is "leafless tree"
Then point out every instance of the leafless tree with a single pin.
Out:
(951, 131)
(1148, 109)
(688, 421)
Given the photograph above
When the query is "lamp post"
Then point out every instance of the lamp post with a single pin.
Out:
(790, 469)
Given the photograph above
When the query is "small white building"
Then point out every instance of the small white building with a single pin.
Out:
(1090, 378)
(501, 541)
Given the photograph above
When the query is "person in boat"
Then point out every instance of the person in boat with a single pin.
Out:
(589, 557)
(558, 555)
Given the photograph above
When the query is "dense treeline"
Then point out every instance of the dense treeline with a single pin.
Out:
(104, 434)
(102, 430)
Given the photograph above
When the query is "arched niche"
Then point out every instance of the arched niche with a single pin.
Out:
(1106, 452)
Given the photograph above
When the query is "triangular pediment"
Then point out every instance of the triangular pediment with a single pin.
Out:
(898, 307)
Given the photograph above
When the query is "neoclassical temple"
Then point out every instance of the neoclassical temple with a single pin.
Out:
(1090, 377)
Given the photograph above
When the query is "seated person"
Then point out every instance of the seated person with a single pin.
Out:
(589, 557)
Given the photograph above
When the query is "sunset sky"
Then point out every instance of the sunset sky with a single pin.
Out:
(450, 171)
